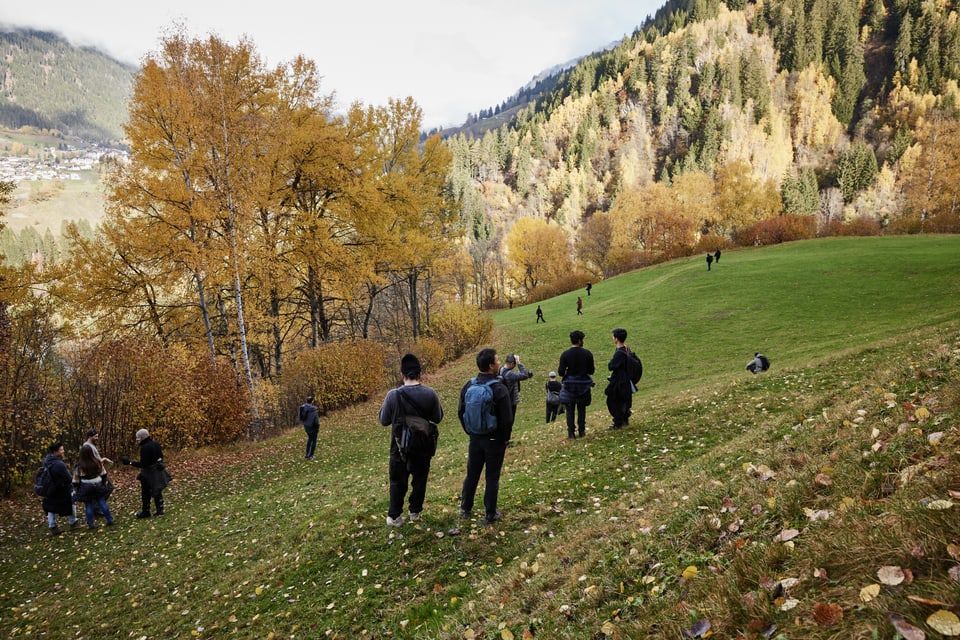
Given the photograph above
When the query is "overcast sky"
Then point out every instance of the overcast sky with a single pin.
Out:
(454, 57)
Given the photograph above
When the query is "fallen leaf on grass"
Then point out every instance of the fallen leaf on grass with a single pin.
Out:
(890, 575)
(869, 592)
(506, 634)
(922, 600)
(826, 614)
(607, 628)
(939, 505)
(905, 629)
(689, 573)
(698, 630)
(823, 480)
(954, 572)
(789, 603)
(788, 534)
(945, 622)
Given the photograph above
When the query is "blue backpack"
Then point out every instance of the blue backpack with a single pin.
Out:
(478, 416)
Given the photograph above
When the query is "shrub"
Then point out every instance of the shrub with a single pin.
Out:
(564, 284)
(337, 374)
(785, 228)
(860, 226)
(460, 328)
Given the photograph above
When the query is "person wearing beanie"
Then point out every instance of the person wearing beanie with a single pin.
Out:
(410, 466)
(91, 441)
(309, 417)
(153, 474)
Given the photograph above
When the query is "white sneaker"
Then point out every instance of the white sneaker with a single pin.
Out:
(394, 522)
(414, 517)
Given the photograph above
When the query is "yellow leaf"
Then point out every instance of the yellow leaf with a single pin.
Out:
(869, 592)
(939, 505)
(922, 414)
(689, 573)
(469, 634)
(607, 628)
(954, 551)
(945, 622)
(506, 634)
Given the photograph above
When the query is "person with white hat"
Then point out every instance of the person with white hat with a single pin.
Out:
(553, 387)
(153, 474)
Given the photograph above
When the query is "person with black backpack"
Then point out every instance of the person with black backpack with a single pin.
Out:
(58, 489)
(309, 417)
(620, 387)
(412, 410)
(486, 414)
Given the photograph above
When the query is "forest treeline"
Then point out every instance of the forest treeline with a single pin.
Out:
(261, 245)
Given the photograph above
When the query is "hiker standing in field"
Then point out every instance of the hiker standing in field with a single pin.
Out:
(487, 449)
(540, 317)
(589, 286)
(716, 256)
(309, 417)
(412, 398)
(576, 367)
(553, 397)
(709, 260)
(153, 474)
(619, 389)
(58, 500)
(579, 306)
(512, 373)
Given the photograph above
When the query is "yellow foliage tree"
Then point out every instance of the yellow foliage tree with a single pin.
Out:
(538, 253)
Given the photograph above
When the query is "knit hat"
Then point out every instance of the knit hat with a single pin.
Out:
(553, 374)
(143, 434)
(91, 433)
(511, 358)
(410, 366)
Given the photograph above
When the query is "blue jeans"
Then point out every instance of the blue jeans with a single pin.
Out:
(483, 452)
(91, 506)
(52, 518)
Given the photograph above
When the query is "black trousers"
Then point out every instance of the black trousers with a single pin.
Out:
(581, 418)
(483, 452)
(146, 493)
(619, 408)
(401, 475)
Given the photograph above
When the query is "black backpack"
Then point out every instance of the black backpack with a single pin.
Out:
(43, 481)
(634, 367)
(418, 436)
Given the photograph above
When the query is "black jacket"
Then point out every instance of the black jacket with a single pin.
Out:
(619, 385)
(60, 500)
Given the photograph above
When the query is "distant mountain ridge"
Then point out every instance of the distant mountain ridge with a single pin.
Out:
(48, 83)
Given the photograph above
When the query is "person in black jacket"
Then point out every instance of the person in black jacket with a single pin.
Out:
(576, 367)
(553, 387)
(486, 450)
(309, 417)
(59, 499)
(411, 398)
(619, 390)
(153, 474)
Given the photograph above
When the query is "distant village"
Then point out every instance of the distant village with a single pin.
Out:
(54, 163)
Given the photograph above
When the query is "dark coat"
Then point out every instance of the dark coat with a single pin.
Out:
(309, 417)
(576, 367)
(153, 472)
(418, 399)
(619, 385)
(60, 500)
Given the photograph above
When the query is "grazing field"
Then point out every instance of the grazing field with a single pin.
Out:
(818, 500)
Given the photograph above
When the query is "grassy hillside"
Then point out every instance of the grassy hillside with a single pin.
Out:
(752, 506)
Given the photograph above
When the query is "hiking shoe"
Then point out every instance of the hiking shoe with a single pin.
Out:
(414, 517)
(491, 519)
(159, 513)
(74, 525)
(465, 515)
(142, 514)
(55, 531)
(394, 522)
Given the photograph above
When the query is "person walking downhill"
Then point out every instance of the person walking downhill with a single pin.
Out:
(94, 489)
(415, 399)
(576, 367)
(153, 474)
(309, 417)
(486, 450)
(709, 260)
(58, 501)
(579, 306)
(553, 387)
(540, 317)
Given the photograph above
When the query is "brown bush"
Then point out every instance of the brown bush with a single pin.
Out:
(337, 374)
(460, 328)
(860, 226)
(785, 228)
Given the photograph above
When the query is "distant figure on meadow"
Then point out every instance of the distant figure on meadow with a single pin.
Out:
(759, 363)
(576, 367)
(153, 474)
(553, 387)
(412, 410)
(511, 303)
(716, 256)
(589, 286)
(579, 306)
(58, 500)
(309, 417)
(540, 315)
(709, 260)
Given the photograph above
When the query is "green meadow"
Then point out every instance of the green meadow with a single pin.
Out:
(818, 500)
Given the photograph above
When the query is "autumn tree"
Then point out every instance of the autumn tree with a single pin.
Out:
(931, 177)
(538, 253)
